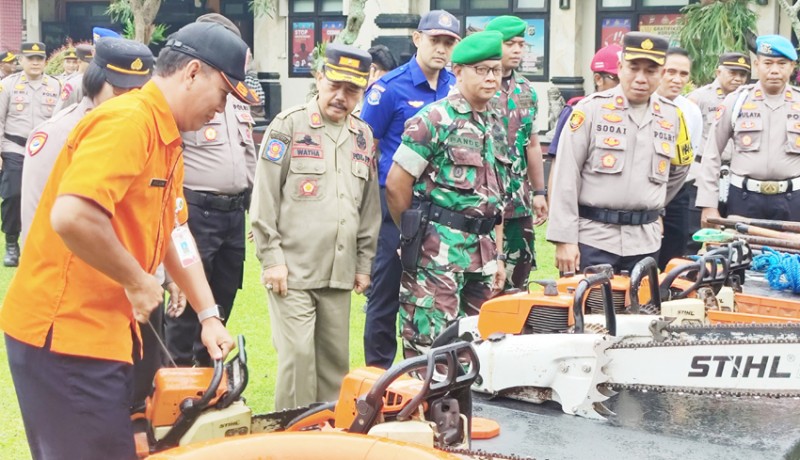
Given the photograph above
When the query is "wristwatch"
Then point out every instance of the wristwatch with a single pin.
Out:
(540, 193)
(501, 257)
(212, 312)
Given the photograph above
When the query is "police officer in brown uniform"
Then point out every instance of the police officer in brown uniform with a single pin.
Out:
(72, 88)
(764, 122)
(732, 72)
(315, 218)
(8, 63)
(219, 162)
(27, 99)
(617, 166)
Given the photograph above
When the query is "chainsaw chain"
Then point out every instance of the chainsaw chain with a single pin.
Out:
(702, 391)
(694, 343)
(482, 454)
(784, 333)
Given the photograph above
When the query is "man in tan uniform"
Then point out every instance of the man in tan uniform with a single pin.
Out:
(733, 71)
(220, 162)
(315, 218)
(72, 87)
(27, 99)
(617, 166)
(70, 63)
(764, 122)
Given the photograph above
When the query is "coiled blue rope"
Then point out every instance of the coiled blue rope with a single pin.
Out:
(782, 270)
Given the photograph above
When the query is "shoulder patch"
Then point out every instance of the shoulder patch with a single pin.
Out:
(36, 143)
(275, 147)
(576, 120)
(374, 96)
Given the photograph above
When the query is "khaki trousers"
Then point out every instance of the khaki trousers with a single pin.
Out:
(310, 332)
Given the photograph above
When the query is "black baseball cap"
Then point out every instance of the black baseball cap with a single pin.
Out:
(221, 49)
(125, 63)
(85, 52)
(440, 22)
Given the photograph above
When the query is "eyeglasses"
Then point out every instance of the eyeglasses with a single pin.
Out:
(610, 76)
(483, 70)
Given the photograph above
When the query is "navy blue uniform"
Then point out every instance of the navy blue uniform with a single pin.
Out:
(389, 102)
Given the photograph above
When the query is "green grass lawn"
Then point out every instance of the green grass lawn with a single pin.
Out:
(249, 318)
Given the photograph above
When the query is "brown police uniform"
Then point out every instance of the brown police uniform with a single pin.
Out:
(766, 156)
(41, 152)
(219, 162)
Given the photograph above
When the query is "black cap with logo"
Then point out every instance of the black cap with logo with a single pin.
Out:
(735, 61)
(85, 52)
(125, 63)
(33, 49)
(640, 45)
(221, 49)
(347, 63)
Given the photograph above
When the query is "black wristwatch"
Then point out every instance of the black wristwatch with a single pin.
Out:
(502, 257)
(540, 193)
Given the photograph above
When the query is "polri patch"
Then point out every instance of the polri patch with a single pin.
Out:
(576, 120)
(36, 143)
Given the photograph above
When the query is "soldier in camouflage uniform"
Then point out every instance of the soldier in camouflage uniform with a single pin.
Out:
(517, 104)
(452, 163)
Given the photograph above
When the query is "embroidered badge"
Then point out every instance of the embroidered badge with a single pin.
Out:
(789, 95)
(20, 107)
(19, 87)
(275, 147)
(361, 141)
(665, 124)
(210, 134)
(610, 106)
(657, 108)
(416, 104)
(662, 166)
(308, 187)
(613, 118)
(576, 120)
(609, 160)
(36, 143)
(749, 106)
(747, 140)
(611, 141)
(665, 148)
(719, 112)
(749, 125)
(620, 101)
(758, 94)
(374, 97)
(316, 120)
(307, 146)
(797, 142)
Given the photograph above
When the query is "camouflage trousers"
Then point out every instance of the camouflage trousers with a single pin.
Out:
(432, 299)
(518, 237)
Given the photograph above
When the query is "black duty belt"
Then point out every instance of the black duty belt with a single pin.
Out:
(458, 221)
(215, 201)
(618, 217)
(19, 140)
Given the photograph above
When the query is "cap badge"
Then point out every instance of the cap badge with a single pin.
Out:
(350, 62)
(445, 21)
(35, 47)
(609, 160)
(766, 48)
(241, 88)
(741, 60)
(647, 44)
(137, 64)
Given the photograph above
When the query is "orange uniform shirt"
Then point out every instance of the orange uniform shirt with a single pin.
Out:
(125, 156)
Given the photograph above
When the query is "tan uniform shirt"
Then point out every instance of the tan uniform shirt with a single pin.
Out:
(708, 98)
(71, 92)
(315, 203)
(42, 150)
(607, 159)
(220, 157)
(25, 104)
(766, 140)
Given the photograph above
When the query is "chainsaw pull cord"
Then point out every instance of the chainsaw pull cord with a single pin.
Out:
(161, 343)
(782, 270)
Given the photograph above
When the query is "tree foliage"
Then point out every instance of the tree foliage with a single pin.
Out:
(711, 28)
(137, 17)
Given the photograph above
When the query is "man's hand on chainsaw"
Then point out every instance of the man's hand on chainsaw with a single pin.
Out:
(177, 301)
(216, 338)
(568, 257)
(276, 279)
(499, 281)
(144, 295)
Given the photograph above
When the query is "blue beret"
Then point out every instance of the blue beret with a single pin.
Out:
(100, 32)
(776, 46)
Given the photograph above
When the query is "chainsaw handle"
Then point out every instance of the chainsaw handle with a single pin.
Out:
(369, 406)
(698, 266)
(646, 266)
(236, 366)
(584, 286)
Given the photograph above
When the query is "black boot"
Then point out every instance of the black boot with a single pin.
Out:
(12, 255)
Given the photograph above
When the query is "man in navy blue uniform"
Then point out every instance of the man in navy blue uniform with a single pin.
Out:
(390, 101)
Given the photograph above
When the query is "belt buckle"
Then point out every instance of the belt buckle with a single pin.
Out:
(769, 187)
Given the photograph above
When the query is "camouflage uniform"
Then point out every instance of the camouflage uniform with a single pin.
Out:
(461, 164)
(517, 106)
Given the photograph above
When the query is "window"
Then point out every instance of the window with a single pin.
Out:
(311, 22)
(617, 17)
(475, 14)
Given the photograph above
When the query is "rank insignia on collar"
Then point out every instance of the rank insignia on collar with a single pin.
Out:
(611, 141)
(576, 120)
(613, 118)
(620, 101)
(316, 120)
(665, 124)
(758, 94)
(36, 143)
(720, 92)
(657, 108)
(608, 160)
(789, 95)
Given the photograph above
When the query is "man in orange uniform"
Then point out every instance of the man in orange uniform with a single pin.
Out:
(112, 210)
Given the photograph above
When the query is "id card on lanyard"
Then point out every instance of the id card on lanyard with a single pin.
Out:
(182, 239)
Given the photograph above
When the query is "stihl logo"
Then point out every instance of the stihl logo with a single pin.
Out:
(738, 366)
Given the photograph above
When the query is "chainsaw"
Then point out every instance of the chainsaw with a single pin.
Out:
(190, 405)
(536, 347)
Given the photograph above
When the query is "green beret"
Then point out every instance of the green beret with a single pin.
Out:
(478, 47)
(509, 26)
